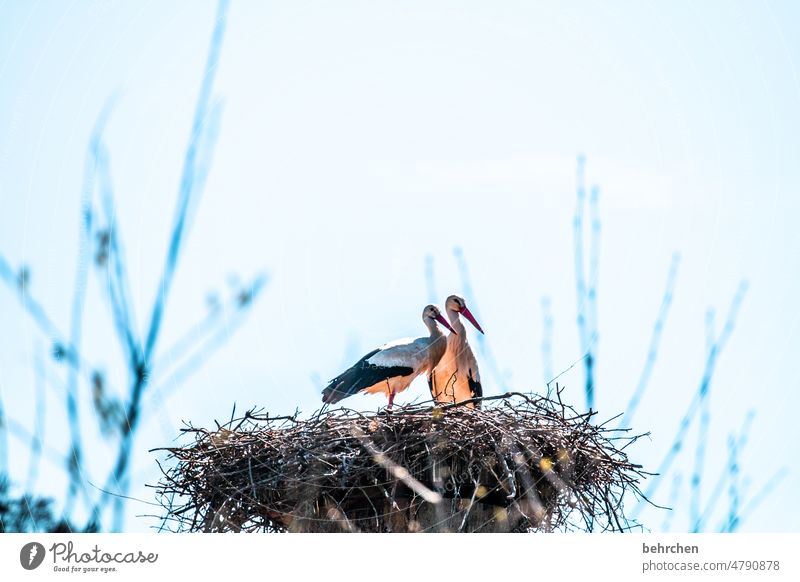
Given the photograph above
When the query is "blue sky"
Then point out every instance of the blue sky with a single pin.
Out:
(359, 137)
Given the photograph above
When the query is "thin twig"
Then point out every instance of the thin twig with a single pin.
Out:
(418, 454)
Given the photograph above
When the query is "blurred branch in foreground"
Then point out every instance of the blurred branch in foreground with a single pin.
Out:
(100, 246)
(700, 404)
(702, 518)
(199, 150)
(586, 289)
(655, 342)
(705, 382)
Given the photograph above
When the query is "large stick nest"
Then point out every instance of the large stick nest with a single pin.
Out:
(519, 463)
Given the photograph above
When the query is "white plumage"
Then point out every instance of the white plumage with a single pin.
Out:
(456, 377)
(392, 367)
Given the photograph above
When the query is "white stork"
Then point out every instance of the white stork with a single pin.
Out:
(456, 377)
(391, 368)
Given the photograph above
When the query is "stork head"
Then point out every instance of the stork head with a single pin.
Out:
(432, 314)
(457, 304)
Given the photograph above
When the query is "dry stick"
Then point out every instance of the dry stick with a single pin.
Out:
(329, 426)
(655, 342)
(694, 406)
(611, 514)
(512, 482)
(467, 511)
(526, 397)
(530, 493)
(188, 193)
(437, 482)
(567, 369)
(475, 490)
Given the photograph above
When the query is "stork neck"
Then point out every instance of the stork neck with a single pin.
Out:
(433, 328)
(455, 321)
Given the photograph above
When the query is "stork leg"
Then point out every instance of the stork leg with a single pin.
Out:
(391, 395)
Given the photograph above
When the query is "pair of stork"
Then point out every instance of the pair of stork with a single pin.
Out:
(449, 363)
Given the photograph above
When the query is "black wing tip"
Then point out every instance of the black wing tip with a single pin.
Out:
(333, 396)
(475, 387)
(332, 392)
(355, 380)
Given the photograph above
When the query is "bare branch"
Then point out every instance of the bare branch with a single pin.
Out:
(673, 502)
(39, 425)
(210, 342)
(655, 342)
(702, 433)
(732, 521)
(694, 406)
(716, 492)
(197, 157)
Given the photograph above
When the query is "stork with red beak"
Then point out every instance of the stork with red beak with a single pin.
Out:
(456, 377)
(391, 368)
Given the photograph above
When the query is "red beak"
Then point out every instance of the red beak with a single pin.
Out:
(443, 321)
(466, 313)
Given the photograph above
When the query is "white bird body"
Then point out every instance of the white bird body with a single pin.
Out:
(456, 377)
(392, 367)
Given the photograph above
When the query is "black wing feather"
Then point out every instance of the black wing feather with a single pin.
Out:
(475, 387)
(360, 375)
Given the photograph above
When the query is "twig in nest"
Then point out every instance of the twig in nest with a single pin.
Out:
(519, 463)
